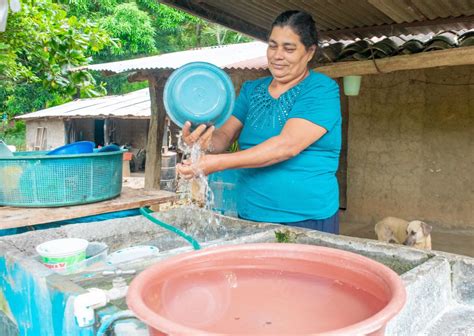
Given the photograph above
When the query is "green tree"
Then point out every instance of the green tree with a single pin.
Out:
(177, 30)
(146, 27)
(42, 43)
(134, 29)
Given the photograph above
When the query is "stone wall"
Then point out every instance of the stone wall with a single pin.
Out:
(411, 137)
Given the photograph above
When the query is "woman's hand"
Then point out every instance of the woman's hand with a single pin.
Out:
(202, 135)
(206, 165)
(187, 170)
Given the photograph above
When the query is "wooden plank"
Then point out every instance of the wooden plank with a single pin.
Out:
(431, 59)
(342, 170)
(129, 199)
(155, 134)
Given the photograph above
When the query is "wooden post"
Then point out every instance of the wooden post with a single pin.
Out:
(155, 133)
(342, 171)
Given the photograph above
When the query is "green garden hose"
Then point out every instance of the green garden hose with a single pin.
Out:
(146, 213)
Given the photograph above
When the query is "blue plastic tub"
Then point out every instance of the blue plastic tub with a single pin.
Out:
(34, 179)
(80, 147)
(224, 186)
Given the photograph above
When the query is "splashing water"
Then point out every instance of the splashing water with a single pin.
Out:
(196, 193)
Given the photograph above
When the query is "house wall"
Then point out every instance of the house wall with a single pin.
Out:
(127, 131)
(411, 140)
(134, 131)
(55, 133)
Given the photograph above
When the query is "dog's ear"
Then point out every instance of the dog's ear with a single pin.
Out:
(426, 229)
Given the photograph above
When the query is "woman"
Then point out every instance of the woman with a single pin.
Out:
(289, 131)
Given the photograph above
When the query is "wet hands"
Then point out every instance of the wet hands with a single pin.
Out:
(198, 142)
(189, 170)
(201, 135)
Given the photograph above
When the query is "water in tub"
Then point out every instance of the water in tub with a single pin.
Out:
(196, 193)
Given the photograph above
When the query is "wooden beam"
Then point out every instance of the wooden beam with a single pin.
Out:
(155, 133)
(138, 76)
(431, 59)
(341, 173)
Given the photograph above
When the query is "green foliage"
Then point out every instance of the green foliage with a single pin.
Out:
(234, 147)
(133, 28)
(119, 84)
(285, 236)
(26, 97)
(48, 37)
(167, 19)
(175, 30)
(42, 43)
(14, 135)
(84, 8)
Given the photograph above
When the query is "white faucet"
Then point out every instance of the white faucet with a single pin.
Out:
(84, 304)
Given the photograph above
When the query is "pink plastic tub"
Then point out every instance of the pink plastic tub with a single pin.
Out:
(267, 289)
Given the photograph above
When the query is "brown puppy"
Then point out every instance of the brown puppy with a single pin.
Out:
(399, 231)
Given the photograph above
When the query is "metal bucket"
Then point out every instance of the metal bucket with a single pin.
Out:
(168, 171)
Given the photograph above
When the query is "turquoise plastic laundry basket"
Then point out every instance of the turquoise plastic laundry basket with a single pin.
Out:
(34, 179)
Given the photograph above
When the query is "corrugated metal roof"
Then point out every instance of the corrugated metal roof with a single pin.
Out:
(134, 105)
(339, 19)
(137, 104)
(237, 56)
(392, 46)
(253, 55)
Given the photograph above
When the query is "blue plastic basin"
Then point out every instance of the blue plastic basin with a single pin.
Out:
(80, 147)
(199, 92)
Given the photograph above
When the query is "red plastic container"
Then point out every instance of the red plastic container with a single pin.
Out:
(267, 289)
(127, 156)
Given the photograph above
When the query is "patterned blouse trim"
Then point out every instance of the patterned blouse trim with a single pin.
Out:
(266, 111)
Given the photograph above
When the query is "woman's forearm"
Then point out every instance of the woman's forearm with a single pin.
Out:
(274, 150)
(220, 142)
(297, 135)
(225, 136)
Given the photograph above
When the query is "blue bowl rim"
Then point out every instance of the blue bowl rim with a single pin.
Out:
(227, 82)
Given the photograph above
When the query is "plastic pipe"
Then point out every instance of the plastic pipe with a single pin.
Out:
(112, 318)
(146, 213)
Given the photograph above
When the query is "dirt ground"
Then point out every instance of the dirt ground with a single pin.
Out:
(447, 240)
(135, 181)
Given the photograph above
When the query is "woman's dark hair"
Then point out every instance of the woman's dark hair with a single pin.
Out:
(301, 23)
